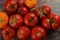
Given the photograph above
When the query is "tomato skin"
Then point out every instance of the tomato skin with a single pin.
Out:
(11, 6)
(30, 19)
(16, 21)
(22, 32)
(48, 24)
(20, 3)
(8, 33)
(23, 10)
(43, 12)
(38, 33)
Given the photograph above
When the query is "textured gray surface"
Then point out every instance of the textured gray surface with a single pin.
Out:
(55, 5)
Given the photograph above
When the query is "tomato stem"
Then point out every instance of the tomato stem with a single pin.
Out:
(1, 20)
(31, 19)
(20, 11)
(13, 21)
(38, 33)
(21, 32)
(51, 21)
(7, 32)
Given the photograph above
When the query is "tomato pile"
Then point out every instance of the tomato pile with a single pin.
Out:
(25, 21)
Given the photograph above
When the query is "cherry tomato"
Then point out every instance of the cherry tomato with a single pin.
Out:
(50, 23)
(30, 19)
(11, 6)
(16, 21)
(3, 19)
(23, 10)
(23, 32)
(43, 12)
(38, 33)
(8, 33)
(20, 3)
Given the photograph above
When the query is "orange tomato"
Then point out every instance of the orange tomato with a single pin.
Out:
(30, 3)
(3, 19)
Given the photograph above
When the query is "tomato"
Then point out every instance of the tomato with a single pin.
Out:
(50, 23)
(30, 3)
(55, 17)
(23, 10)
(3, 19)
(30, 19)
(8, 33)
(16, 21)
(11, 6)
(20, 3)
(23, 32)
(38, 33)
(43, 12)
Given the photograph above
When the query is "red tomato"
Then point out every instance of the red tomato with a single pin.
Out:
(8, 33)
(50, 23)
(38, 33)
(55, 17)
(30, 19)
(23, 32)
(20, 2)
(23, 10)
(43, 12)
(11, 6)
(16, 21)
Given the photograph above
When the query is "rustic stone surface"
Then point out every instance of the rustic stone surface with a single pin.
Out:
(55, 5)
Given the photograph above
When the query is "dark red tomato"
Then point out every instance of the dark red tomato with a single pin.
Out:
(23, 32)
(20, 3)
(23, 10)
(50, 23)
(43, 12)
(30, 19)
(16, 21)
(8, 33)
(38, 33)
(11, 6)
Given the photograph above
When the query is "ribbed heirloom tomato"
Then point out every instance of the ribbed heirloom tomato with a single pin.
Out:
(30, 19)
(3, 19)
(16, 21)
(11, 6)
(43, 12)
(38, 33)
(50, 23)
(8, 33)
(23, 33)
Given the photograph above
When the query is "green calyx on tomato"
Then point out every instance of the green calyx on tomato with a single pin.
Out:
(1, 20)
(7, 32)
(22, 32)
(31, 19)
(51, 21)
(12, 6)
(13, 21)
(42, 12)
(38, 34)
(20, 11)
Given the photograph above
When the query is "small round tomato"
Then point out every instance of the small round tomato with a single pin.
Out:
(11, 6)
(3, 19)
(16, 21)
(8, 33)
(30, 19)
(23, 32)
(20, 2)
(50, 23)
(23, 10)
(43, 12)
(38, 33)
